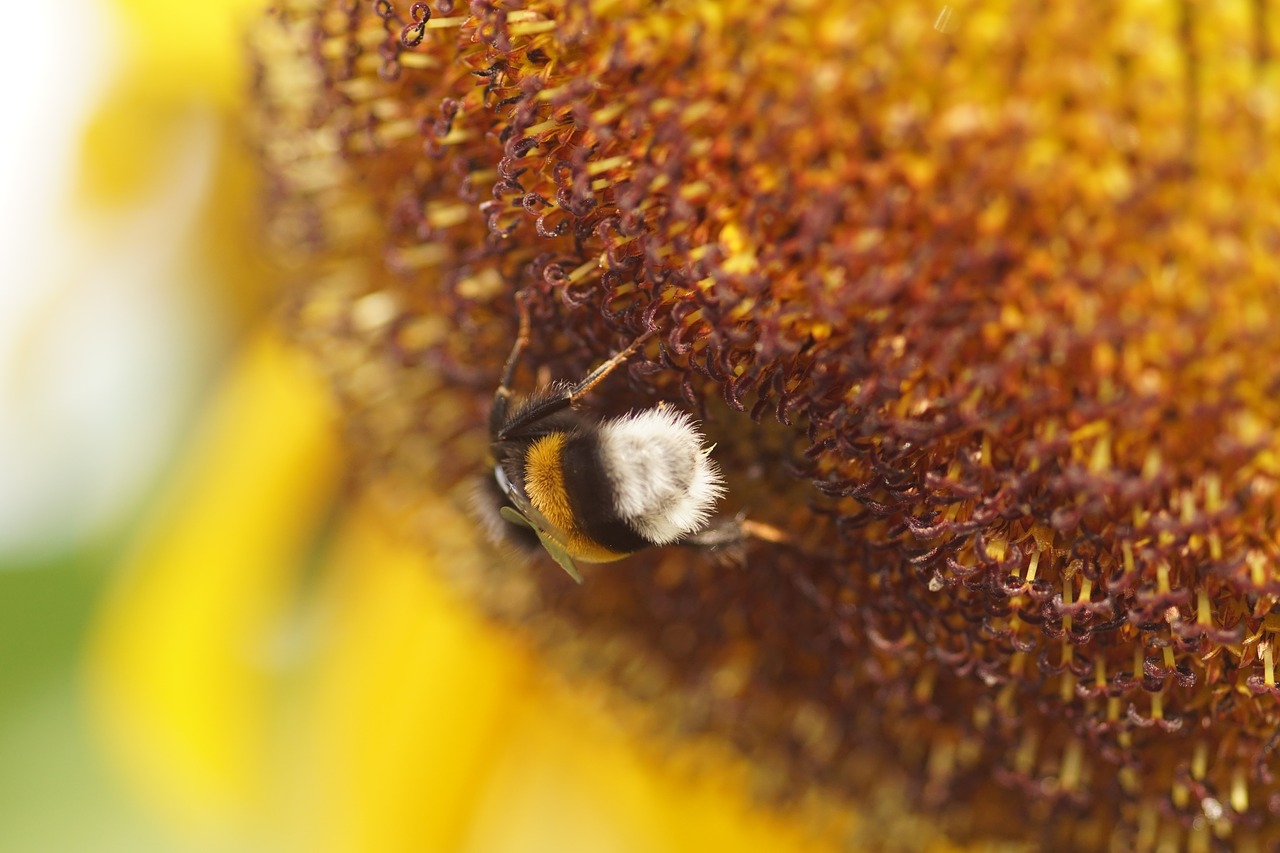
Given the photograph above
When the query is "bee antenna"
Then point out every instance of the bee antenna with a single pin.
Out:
(517, 349)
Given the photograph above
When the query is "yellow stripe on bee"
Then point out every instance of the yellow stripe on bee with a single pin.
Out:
(544, 484)
(544, 480)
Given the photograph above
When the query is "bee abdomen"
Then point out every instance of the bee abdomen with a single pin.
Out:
(624, 484)
(662, 482)
(593, 496)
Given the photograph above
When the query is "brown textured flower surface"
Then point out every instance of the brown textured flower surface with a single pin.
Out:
(981, 305)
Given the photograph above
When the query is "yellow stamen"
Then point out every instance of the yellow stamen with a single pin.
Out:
(416, 257)
(1151, 465)
(1100, 459)
(1257, 566)
(418, 60)
(1072, 762)
(923, 691)
(1199, 761)
(1239, 791)
(446, 23)
(584, 270)
(456, 136)
(447, 215)
(1025, 758)
(600, 166)
(531, 28)
(396, 131)
(1212, 493)
(543, 127)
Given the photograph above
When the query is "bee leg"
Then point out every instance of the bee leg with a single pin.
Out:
(502, 396)
(596, 376)
(727, 540)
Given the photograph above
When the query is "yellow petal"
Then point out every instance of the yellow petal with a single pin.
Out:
(183, 63)
(179, 671)
(405, 705)
(425, 728)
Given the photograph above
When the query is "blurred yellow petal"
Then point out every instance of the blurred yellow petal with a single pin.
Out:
(181, 60)
(179, 673)
(575, 779)
(198, 46)
(405, 705)
(431, 730)
(174, 107)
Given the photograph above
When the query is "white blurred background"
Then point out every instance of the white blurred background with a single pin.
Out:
(99, 334)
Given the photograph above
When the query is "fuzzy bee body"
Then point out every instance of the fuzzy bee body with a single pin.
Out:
(595, 490)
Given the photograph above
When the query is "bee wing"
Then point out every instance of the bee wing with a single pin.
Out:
(554, 548)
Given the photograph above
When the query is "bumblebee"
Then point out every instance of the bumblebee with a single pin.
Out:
(588, 489)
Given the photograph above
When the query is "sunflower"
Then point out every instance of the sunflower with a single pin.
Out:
(977, 304)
